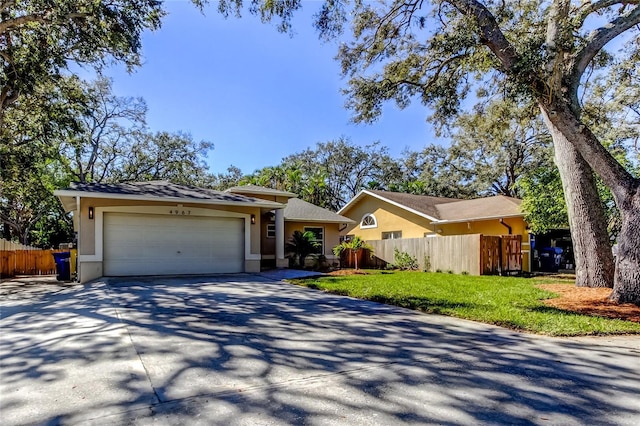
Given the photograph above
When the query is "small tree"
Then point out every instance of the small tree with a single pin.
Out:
(355, 245)
(302, 244)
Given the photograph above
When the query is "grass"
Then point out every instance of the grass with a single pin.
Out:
(509, 302)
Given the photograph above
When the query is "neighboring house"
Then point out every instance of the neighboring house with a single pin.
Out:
(161, 228)
(384, 215)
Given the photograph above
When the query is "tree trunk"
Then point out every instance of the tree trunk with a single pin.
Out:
(626, 287)
(592, 250)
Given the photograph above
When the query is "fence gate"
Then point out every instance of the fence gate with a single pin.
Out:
(511, 253)
(489, 255)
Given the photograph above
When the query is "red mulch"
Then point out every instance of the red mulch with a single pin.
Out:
(343, 272)
(590, 301)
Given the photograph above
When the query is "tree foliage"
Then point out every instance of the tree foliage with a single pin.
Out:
(495, 145)
(40, 38)
(328, 175)
(302, 244)
(112, 143)
(80, 131)
(29, 167)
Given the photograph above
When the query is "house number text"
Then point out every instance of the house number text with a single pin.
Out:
(180, 212)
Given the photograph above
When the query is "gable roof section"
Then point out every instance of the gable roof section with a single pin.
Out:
(255, 189)
(495, 207)
(446, 210)
(157, 191)
(302, 211)
(422, 205)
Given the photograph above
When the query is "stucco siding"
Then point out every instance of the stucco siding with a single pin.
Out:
(89, 271)
(486, 227)
(331, 233)
(87, 242)
(388, 217)
(392, 218)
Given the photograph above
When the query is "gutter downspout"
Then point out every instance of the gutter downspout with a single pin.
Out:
(505, 225)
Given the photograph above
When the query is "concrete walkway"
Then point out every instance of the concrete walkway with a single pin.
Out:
(247, 350)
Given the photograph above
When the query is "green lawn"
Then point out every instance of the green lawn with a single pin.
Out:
(514, 303)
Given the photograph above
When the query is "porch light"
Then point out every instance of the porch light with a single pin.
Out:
(90, 212)
(253, 219)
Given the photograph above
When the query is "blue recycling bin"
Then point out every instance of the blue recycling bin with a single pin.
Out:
(63, 265)
(550, 259)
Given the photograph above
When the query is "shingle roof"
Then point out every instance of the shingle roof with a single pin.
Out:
(421, 203)
(161, 190)
(299, 210)
(479, 208)
(441, 209)
(255, 189)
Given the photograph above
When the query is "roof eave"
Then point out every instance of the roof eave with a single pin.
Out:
(83, 194)
(386, 200)
(297, 219)
(275, 192)
(476, 219)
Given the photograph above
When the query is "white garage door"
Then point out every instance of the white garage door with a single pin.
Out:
(136, 244)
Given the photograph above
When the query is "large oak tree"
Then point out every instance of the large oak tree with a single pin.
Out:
(438, 50)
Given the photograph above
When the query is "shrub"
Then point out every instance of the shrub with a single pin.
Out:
(355, 244)
(404, 260)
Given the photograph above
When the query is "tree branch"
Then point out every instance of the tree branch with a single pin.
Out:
(588, 8)
(7, 4)
(11, 24)
(8, 221)
(489, 31)
(600, 37)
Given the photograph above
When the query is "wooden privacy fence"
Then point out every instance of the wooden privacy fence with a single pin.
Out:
(27, 262)
(17, 259)
(475, 254)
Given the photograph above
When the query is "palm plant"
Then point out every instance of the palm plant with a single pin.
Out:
(302, 244)
(355, 245)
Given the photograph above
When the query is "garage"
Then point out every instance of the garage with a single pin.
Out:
(147, 244)
(164, 228)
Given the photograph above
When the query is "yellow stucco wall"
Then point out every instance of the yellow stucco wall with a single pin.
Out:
(391, 218)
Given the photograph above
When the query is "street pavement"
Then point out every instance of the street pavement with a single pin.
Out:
(252, 350)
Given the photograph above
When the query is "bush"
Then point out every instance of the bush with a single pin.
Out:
(404, 260)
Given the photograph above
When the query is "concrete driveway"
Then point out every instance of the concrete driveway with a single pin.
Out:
(246, 350)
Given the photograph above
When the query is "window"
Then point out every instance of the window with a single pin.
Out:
(319, 234)
(271, 230)
(393, 235)
(368, 221)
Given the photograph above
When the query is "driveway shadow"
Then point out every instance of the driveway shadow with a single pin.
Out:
(242, 349)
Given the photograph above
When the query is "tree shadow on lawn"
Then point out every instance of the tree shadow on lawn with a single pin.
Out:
(236, 349)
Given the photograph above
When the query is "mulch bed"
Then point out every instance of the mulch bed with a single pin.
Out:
(590, 301)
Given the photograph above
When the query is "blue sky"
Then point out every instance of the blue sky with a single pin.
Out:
(257, 94)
